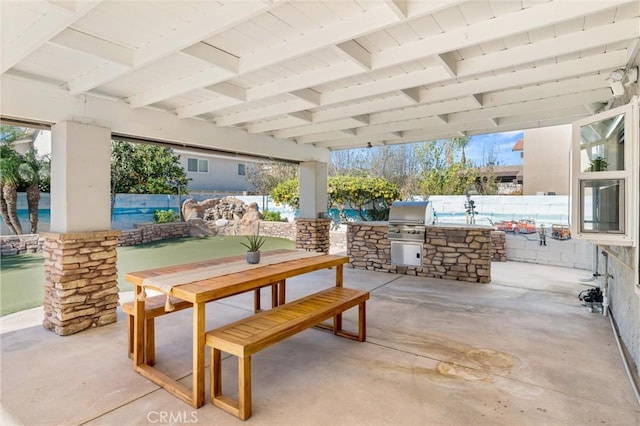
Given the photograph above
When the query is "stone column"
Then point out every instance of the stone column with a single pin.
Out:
(80, 251)
(313, 234)
(81, 280)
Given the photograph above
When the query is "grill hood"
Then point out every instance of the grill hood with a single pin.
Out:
(411, 213)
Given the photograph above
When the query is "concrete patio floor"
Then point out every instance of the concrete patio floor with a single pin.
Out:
(521, 350)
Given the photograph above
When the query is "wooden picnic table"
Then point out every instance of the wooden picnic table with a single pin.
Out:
(207, 290)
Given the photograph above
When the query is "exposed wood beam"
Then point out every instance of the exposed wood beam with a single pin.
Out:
(54, 20)
(399, 7)
(347, 123)
(308, 95)
(94, 46)
(412, 94)
(264, 112)
(380, 104)
(500, 27)
(304, 80)
(331, 34)
(290, 121)
(448, 62)
(177, 87)
(213, 55)
(356, 53)
(549, 48)
(559, 71)
(229, 90)
(425, 110)
(206, 106)
(231, 14)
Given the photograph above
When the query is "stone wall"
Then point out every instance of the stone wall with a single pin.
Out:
(285, 230)
(81, 280)
(461, 253)
(313, 235)
(148, 232)
(20, 244)
(498, 246)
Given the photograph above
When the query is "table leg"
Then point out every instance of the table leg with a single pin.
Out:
(339, 275)
(282, 292)
(138, 328)
(198, 354)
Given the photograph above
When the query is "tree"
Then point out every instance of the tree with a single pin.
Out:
(144, 169)
(266, 176)
(9, 180)
(288, 193)
(369, 196)
(33, 172)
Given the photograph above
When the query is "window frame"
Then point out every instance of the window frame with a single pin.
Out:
(199, 163)
(628, 214)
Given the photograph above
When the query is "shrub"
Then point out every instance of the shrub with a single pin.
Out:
(165, 216)
(272, 216)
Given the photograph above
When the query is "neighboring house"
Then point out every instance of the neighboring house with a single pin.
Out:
(209, 173)
(545, 160)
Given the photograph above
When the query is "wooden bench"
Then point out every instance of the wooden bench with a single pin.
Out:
(154, 307)
(245, 337)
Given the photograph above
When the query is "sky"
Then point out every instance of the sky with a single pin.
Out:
(480, 146)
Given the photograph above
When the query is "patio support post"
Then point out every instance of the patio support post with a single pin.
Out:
(312, 228)
(81, 287)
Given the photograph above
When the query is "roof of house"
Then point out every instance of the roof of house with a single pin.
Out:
(519, 146)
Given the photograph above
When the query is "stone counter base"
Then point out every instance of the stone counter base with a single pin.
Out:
(451, 253)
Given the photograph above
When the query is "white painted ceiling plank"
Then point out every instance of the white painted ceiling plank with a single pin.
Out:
(598, 36)
(501, 26)
(177, 87)
(347, 123)
(214, 56)
(535, 75)
(94, 46)
(53, 21)
(264, 112)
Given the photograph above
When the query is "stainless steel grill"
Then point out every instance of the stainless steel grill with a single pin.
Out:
(407, 232)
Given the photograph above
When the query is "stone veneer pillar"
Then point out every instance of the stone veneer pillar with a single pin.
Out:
(313, 234)
(81, 280)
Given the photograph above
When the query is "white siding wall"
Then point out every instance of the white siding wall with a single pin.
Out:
(546, 160)
(221, 176)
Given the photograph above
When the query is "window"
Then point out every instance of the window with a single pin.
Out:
(197, 166)
(603, 187)
(241, 170)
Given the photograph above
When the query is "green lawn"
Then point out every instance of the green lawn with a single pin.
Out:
(22, 276)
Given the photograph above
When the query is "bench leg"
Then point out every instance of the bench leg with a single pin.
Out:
(150, 341)
(242, 407)
(362, 325)
(215, 368)
(244, 387)
(130, 326)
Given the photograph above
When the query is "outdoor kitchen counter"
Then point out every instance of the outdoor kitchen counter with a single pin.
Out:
(451, 251)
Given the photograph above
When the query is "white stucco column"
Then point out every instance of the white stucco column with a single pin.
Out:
(80, 177)
(313, 189)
